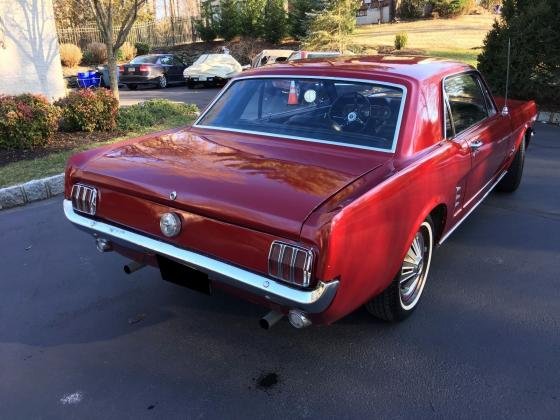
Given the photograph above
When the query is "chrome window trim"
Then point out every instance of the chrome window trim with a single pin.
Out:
(445, 98)
(295, 76)
(312, 301)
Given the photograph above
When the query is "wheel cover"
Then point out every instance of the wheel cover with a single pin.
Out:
(415, 267)
(162, 81)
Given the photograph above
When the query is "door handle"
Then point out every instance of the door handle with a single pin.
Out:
(475, 145)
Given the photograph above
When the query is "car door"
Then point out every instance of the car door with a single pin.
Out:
(177, 68)
(476, 122)
(167, 63)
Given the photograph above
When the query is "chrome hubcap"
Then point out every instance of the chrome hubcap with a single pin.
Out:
(413, 272)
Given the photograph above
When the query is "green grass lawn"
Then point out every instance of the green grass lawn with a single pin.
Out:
(26, 170)
(458, 39)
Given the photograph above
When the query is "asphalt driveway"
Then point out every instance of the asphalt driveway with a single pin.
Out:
(80, 339)
(177, 93)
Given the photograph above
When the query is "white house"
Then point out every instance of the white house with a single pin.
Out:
(29, 55)
(375, 11)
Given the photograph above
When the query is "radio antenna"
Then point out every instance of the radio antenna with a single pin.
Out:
(505, 110)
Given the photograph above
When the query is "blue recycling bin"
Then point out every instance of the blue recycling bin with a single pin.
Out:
(89, 79)
(94, 79)
(83, 79)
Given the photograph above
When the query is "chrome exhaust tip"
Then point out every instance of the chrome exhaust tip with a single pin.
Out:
(103, 245)
(298, 319)
(133, 266)
(271, 318)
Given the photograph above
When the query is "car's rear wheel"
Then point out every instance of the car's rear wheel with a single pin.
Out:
(510, 182)
(401, 298)
(131, 86)
(162, 82)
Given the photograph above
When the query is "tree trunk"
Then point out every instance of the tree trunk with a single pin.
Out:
(112, 65)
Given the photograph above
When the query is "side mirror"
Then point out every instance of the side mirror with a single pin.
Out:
(505, 111)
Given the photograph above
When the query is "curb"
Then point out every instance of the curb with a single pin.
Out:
(38, 189)
(549, 117)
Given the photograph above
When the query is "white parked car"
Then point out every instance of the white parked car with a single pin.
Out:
(212, 70)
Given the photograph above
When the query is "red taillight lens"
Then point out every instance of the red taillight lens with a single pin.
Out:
(143, 67)
(290, 263)
(121, 69)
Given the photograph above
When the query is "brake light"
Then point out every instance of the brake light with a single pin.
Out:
(290, 263)
(84, 199)
(144, 67)
(121, 69)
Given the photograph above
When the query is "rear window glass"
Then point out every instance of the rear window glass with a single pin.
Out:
(363, 114)
(145, 59)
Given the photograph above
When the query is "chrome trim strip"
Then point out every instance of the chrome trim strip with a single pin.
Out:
(473, 208)
(311, 301)
(297, 76)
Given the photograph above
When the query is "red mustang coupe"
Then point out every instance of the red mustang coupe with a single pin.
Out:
(312, 187)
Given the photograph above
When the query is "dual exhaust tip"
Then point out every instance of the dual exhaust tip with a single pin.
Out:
(297, 318)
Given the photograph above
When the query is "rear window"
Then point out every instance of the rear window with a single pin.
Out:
(145, 59)
(346, 112)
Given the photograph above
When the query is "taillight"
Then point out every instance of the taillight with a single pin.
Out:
(290, 263)
(84, 199)
(143, 67)
(121, 69)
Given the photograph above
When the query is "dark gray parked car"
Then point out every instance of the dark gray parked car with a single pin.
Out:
(155, 69)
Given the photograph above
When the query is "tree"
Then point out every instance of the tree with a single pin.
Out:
(331, 28)
(251, 18)
(274, 21)
(207, 25)
(228, 25)
(532, 26)
(114, 19)
(300, 16)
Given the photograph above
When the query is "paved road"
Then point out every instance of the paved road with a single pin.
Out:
(80, 339)
(177, 93)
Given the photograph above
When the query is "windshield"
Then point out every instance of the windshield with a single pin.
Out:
(351, 113)
(145, 59)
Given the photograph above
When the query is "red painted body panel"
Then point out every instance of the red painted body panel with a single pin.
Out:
(357, 209)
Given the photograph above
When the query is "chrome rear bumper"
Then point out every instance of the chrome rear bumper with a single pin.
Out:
(311, 301)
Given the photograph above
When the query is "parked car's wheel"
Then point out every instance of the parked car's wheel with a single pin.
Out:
(162, 82)
(511, 181)
(400, 299)
(131, 86)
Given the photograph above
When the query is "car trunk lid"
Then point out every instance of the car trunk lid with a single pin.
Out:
(264, 183)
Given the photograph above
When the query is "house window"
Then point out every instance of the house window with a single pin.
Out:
(361, 12)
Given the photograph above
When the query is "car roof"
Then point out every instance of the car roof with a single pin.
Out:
(413, 67)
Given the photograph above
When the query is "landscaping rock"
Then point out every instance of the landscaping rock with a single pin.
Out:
(35, 190)
(11, 197)
(55, 184)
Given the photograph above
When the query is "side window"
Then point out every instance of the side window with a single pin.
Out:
(167, 60)
(177, 62)
(466, 100)
(488, 97)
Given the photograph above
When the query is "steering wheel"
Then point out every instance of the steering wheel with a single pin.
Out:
(350, 112)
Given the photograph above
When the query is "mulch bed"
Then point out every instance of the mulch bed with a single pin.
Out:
(59, 143)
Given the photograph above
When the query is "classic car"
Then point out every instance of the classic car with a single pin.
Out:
(152, 69)
(267, 57)
(212, 70)
(312, 189)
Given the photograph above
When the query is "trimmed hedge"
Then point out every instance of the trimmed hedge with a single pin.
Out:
(89, 110)
(153, 112)
(26, 121)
